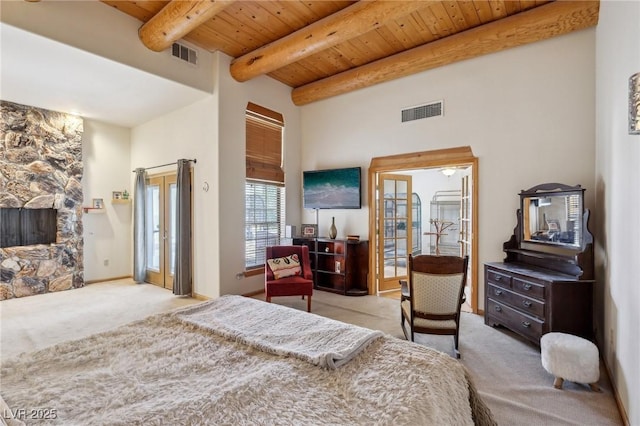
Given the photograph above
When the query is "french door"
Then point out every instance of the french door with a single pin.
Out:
(466, 232)
(160, 229)
(394, 229)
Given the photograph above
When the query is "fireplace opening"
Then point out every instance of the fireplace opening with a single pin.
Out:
(25, 227)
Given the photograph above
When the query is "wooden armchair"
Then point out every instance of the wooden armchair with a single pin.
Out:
(300, 284)
(436, 293)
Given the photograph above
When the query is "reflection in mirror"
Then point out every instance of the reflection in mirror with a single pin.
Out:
(553, 219)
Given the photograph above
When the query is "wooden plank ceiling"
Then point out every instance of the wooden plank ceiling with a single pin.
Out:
(323, 48)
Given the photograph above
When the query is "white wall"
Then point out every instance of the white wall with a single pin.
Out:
(527, 113)
(101, 29)
(213, 131)
(107, 168)
(234, 97)
(190, 132)
(617, 203)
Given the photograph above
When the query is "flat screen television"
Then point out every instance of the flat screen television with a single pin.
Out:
(25, 227)
(331, 189)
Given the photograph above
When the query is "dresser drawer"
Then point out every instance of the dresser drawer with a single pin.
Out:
(528, 288)
(515, 320)
(522, 303)
(499, 279)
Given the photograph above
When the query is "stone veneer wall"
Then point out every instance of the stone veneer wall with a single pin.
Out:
(41, 167)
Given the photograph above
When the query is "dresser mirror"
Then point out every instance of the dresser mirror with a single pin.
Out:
(553, 218)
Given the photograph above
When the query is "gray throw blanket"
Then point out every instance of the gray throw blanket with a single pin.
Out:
(280, 330)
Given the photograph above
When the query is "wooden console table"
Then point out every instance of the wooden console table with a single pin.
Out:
(339, 266)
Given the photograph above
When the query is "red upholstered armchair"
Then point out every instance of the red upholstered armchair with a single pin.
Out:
(296, 285)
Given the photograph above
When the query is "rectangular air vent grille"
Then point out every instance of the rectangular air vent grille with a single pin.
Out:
(184, 53)
(433, 109)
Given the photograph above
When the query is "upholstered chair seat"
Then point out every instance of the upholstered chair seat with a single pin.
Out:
(289, 278)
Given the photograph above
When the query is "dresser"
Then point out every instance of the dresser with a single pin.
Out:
(545, 282)
(533, 301)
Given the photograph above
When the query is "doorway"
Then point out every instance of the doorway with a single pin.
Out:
(457, 158)
(160, 229)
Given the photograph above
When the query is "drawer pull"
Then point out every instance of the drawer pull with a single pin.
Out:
(498, 292)
(526, 303)
(498, 309)
(527, 324)
(527, 286)
(498, 278)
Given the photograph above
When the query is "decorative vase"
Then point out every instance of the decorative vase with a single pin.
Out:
(332, 230)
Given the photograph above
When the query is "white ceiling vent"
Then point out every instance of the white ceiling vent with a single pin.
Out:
(433, 109)
(184, 53)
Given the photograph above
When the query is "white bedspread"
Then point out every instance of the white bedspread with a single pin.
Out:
(171, 369)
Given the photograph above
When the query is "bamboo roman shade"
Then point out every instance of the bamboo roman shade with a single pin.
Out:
(264, 144)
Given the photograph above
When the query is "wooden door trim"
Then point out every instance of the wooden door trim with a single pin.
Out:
(459, 156)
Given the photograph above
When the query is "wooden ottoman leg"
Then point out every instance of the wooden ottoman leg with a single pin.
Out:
(594, 387)
(557, 383)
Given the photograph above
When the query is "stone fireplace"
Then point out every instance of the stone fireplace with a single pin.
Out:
(41, 168)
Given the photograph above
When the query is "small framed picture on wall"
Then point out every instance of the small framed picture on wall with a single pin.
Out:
(98, 203)
(116, 195)
(309, 230)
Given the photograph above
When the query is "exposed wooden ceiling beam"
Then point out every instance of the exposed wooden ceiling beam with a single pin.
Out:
(543, 22)
(177, 19)
(350, 22)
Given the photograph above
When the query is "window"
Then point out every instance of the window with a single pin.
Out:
(264, 220)
(264, 186)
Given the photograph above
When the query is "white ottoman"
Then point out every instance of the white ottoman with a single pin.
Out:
(572, 358)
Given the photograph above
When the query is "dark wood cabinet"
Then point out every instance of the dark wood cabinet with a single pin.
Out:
(533, 301)
(545, 283)
(339, 266)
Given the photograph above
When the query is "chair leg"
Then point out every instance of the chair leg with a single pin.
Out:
(268, 299)
(404, 330)
(455, 345)
(308, 304)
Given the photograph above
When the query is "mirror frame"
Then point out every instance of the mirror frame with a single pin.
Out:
(543, 191)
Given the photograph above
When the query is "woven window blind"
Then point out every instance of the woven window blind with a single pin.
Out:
(264, 145)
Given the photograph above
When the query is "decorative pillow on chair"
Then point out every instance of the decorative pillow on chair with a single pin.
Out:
(285, 266)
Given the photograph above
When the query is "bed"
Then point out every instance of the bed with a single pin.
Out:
(237, 360)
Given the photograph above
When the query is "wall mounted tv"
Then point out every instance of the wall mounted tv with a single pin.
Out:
(26, 227)
(331, 189)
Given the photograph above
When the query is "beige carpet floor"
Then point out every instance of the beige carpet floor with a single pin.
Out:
(506, 370)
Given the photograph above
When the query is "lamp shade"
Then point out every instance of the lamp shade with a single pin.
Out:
(448, 171)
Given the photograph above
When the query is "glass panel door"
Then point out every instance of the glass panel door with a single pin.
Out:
(154, 232)
(466, 236)
(394, 230)
(160, 230)
(170, 206)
